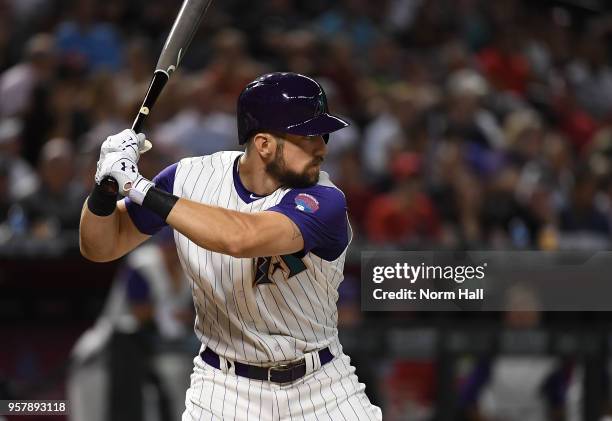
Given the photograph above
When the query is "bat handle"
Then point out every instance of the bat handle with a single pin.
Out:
(160, 77)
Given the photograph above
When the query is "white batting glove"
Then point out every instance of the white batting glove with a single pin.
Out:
(125, 172)
(128, 142)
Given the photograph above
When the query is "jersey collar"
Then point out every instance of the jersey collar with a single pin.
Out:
(246, 195)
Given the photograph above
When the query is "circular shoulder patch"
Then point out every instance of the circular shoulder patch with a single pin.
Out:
(306, 203)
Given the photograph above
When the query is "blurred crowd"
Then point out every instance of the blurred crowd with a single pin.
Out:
(474, 123)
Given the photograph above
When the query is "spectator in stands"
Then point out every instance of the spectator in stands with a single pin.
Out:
(300, 51)
(54, 206)
(573, 120)
(465, 114)
(506, 221)
(504, 63)
(401, 108)
(135, 75)
(17, 83)
(201, 127)
(523, 136)
(343, 142)
(359, 193)
(336, 63)
(457, 194)
(22, 178)
(231, 69)
(582, 222)
(591, 74)
(86, 44)
(405, 215)
(110, 110)
(351, 17)
(268, 24)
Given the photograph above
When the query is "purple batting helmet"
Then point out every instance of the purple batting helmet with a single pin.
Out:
(287, 103)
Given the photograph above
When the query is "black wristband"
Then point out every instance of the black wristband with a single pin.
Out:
(159, 201)
(100, 202)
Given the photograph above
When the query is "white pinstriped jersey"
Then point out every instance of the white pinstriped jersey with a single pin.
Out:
(256, 310)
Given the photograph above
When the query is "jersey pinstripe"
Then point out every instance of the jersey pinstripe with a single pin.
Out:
(264, 323)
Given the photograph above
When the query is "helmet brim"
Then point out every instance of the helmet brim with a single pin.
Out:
(320, 125)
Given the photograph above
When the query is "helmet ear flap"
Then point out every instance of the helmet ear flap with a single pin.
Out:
(326, 137)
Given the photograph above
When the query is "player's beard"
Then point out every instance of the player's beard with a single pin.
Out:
(277, 168)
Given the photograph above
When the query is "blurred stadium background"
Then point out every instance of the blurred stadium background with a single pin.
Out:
(476, 125)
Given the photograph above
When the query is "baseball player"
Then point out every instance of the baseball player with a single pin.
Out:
(262, 235)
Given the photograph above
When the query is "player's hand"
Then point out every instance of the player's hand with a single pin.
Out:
(125, 172)
(128, 142)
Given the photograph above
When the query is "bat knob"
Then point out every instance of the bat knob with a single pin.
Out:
(110, 186)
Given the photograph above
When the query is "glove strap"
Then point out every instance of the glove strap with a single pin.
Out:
(101, 203)
(159, 201)
(139, 190)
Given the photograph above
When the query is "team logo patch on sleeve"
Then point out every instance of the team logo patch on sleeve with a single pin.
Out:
(306, 203)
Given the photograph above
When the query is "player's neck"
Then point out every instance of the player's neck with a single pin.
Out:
(254, 178)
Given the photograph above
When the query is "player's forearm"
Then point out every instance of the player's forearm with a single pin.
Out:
(238, 234)
(216, 229)
(98, 235)
(105, 238)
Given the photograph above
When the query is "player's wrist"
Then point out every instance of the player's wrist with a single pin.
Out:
(144, 193)
(139, 189)
(100, 202)
(159, 202)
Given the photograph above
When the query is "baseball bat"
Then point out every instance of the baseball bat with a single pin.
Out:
(184, 28)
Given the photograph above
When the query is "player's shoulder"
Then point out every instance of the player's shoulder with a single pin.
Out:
(311, 198)
(323, 187)
(326, 183)
(217, 159)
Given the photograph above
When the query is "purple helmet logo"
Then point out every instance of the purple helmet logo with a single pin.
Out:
(287, 103)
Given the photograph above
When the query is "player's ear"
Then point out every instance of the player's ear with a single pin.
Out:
(265, 145)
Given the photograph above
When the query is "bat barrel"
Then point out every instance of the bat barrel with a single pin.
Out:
(183, 30)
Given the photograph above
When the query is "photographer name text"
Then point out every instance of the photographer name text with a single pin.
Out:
(429, 294)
